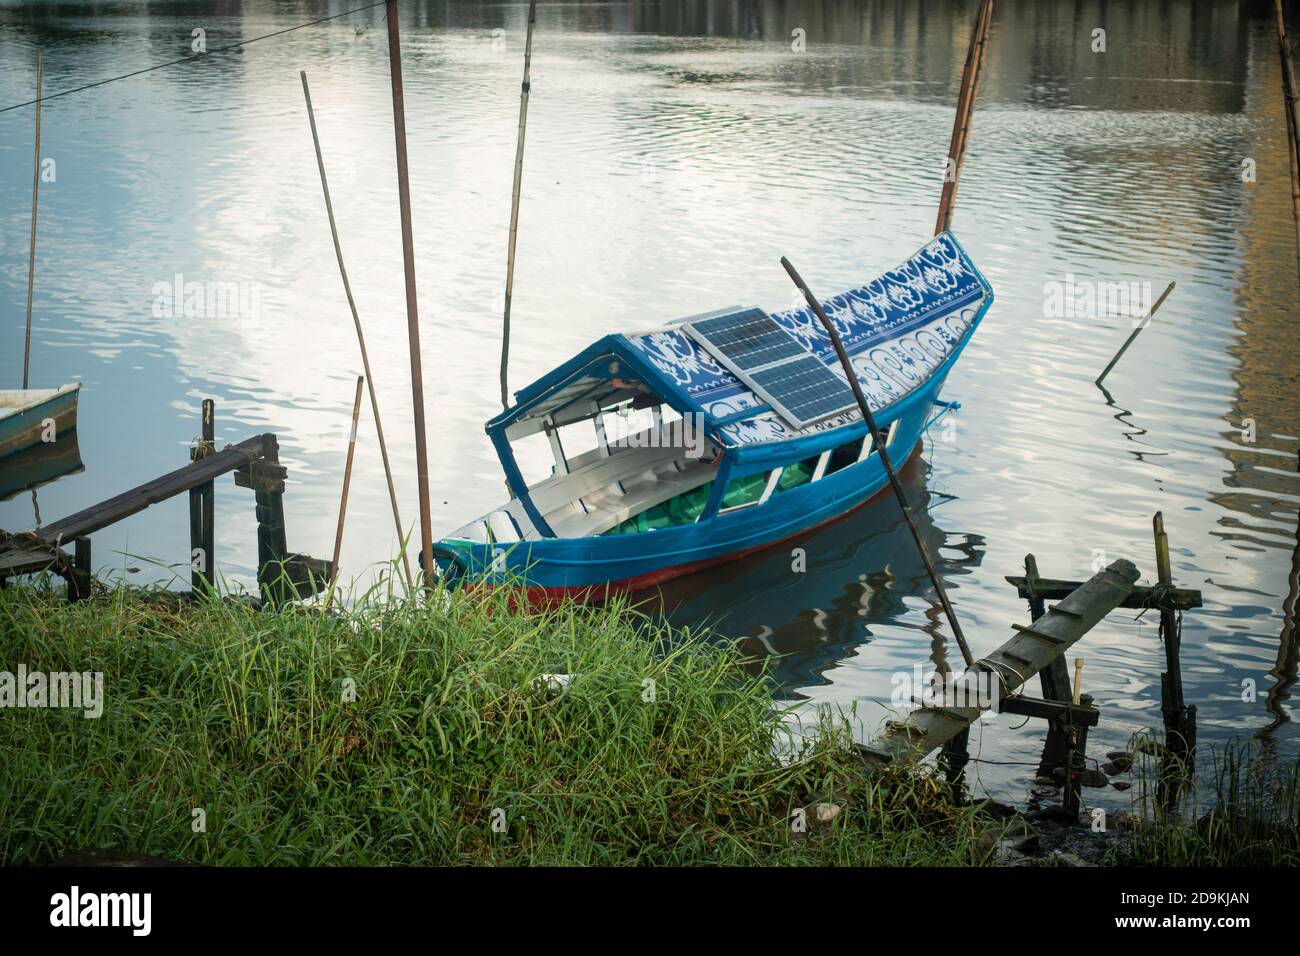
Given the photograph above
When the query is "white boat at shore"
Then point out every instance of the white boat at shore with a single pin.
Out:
(31, 416)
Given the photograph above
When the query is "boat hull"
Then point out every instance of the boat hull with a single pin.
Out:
(38, 420)
(593, 568)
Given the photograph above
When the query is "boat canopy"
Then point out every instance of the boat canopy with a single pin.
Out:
(897, 329)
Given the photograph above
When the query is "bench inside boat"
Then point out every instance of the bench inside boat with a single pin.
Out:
(593, 493)
(630, 487)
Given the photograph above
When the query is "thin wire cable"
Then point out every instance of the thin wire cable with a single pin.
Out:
(191, 57)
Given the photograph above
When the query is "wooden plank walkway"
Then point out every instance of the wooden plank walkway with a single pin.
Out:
(1031, 649)
(35, 551)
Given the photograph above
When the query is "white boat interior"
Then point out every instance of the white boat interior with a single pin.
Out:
(597, 490)
(15, 400)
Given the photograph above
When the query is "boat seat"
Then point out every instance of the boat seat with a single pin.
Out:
(653, 486)
(562, 495)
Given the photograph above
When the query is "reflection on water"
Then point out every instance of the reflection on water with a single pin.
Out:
(39, 465)
(675, 151)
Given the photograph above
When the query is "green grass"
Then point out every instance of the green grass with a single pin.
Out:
(244, 714)
(1244, 811)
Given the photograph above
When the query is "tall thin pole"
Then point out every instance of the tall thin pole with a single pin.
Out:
(884, 459)
(361, 338)
(36, 187)
(514, 203)
(1291, 101)
(961, 124)
(347, 480)
(412, 310)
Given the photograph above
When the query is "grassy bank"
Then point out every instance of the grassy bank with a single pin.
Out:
(1243, 811)
(396, 734)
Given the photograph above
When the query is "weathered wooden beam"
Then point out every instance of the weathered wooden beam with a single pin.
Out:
(1050, 589)
(196, 473)
(1012, 664)
(1051, 710)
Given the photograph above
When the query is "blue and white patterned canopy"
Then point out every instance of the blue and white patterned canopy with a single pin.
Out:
(897, 330)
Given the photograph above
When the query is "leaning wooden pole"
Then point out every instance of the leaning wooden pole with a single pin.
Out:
(961, 124)
(1292, 104)
(347, 481)
(514, 204)
(36, 189)
(412, 310)
(879, 440)
(1146, 320)
(361, 337)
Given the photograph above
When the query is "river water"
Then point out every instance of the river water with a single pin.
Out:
(676, 150)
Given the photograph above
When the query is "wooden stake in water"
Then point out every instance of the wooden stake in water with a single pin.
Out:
(36, 187)
(361, 337)
(347, 481)
(1291, 100)
(1146, 320)
(514, 203)
(970, 78)
(884, 459)
(412, 308)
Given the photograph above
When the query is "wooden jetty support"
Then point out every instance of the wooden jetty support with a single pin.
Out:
(1024, 655)
(1035, 649)
(282, 575)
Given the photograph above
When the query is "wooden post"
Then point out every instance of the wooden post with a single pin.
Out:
(412, 309)
(514, 203)
(961, 124)
(80, 578)
(1180, 720)
(1291, 102)
(347, 480)
(361, 338)
(956, 755)
(36, 189)
(1072, 798)
(272, 548)
(1053, 680)
(203, 511)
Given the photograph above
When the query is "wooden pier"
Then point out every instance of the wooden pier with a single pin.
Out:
(282, 575)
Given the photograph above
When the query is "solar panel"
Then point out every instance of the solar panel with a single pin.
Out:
(803, 389)
(774, 364)
(749, 339)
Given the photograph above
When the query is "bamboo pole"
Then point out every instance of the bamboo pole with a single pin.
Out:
(1146, 320)
(961, 123)
(1292, 105)
(412, 308)
(514, 203)
(36, 188)
(884, 459)
(361, 337)
(347, 481)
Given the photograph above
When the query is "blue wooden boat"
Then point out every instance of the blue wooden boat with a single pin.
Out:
(718, 461)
